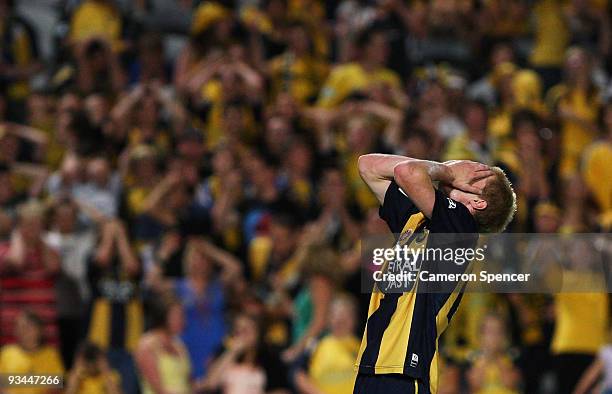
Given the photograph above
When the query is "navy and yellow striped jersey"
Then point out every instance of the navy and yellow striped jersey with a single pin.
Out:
(402, 330)
(116, 316)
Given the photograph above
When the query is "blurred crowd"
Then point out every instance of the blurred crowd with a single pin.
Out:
(191, 223)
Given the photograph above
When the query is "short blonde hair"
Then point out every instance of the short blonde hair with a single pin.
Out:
(501, 204)
(31, 210)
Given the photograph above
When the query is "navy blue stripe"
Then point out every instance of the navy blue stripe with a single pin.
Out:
(455, 305)
(118, 325)
(376, 326)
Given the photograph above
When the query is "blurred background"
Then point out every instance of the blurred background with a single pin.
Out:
(180, 205)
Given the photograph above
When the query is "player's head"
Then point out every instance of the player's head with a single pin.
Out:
(494, 208)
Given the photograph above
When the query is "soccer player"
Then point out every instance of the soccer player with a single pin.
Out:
(399, 350)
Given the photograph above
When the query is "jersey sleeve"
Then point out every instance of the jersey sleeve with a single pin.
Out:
(451, 216)
(397, 208)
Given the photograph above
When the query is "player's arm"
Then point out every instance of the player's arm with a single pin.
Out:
(376, 170)
(416, 178)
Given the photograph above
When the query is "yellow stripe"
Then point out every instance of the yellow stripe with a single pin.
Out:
(414, 221)
(416, 387)
(99, 328)
(394, 343)
(433, 371)
(135, 325)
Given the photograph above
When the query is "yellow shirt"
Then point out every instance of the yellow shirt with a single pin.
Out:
(582, 318)
(463, 336)
(331, 365)
(350, 77)
(301, 77)
(13, 359)
(212, 123)
(574, 136)
(551, 34)
(597, 174)
(174, 373)
(95, 19)
(22, 51)
(493, 376)
(96, 384)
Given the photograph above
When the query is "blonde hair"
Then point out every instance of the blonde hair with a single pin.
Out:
(501, 204)
(31, 210)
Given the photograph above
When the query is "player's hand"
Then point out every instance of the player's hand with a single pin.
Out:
(465, 173)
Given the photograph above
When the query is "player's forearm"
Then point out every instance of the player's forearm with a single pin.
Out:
(415, 178)
(380, 166)
(376, 170)
(437, 172)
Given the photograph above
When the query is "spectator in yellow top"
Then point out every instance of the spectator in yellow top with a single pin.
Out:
(500, 120)
(527, 162)
(297, 70)
(330, 366)
(30, 355)
(597, 172)
(551, 40)
(582, 314)
(369, 71)
(577, 104)
(211, 29)
(91, 373)
(96, 19)
(493, 371)
(18, 59)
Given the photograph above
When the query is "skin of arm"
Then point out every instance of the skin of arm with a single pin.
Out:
(214, 378)
(153, 202)
(75, 377)
(230, 266)
(51, 259)
(110, 384)
(304, 384)
(475, 377)
(321, 291)
(104, 251)
(415, 177)
(16, 254)
(377, 171)
(590, 376)
(128, 259)
(123, 108)
(146, 360)
(393, 117)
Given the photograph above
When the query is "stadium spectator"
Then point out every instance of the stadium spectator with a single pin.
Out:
(240, 368)
(329, 368)
(115, 312)
(161, 356)
(31, 353)
(91, 372)
(30, 269)
(493, 369)
(203, 295)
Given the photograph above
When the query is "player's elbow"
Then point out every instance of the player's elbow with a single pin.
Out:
(408, 173)
(403, 172)
(365, 163)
